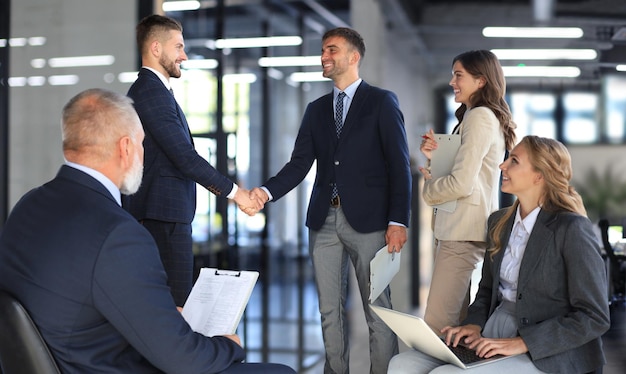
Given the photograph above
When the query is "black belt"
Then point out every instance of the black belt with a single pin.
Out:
(335, 201)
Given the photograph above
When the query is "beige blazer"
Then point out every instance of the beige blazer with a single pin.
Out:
(474, 181)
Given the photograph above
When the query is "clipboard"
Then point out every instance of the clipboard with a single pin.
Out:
(383, 267)
(442, 162)
(218, 299)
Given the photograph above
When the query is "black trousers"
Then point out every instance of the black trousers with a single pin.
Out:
(175, 248)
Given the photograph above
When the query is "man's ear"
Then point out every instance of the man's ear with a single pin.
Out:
(356, 57)
(155, 48)
(126, 149)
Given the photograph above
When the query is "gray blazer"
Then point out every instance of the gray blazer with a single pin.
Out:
(562, 303)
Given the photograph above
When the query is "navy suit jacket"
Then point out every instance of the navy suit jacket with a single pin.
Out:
(91, 278)
(172, 167)
(562, 302)
(370, 162)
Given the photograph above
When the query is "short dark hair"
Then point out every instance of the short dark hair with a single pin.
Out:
(351, 36)
(152, 25)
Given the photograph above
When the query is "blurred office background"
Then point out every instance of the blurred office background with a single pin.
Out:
(244, 98)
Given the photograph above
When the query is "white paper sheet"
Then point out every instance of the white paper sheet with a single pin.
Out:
(218, 299)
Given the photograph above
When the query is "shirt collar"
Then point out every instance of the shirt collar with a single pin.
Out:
(106, 182)
(349, 91)
(165, 81)
(529, 221)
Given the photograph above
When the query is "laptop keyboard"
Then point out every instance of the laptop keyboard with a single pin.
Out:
(466, 355)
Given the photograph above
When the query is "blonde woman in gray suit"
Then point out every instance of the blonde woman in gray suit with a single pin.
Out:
(542, 296)
(486, 130)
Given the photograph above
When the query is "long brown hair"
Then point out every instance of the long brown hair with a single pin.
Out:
(551, 159)
(485, 64)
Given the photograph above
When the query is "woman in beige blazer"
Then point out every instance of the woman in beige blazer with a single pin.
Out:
(486, 130)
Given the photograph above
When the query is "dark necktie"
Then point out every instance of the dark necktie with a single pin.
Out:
(339, 112)
(172, 91)
(339, 126)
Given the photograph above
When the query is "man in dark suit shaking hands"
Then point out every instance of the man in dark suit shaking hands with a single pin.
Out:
(88, 273)
(166, 201)
(361, 196)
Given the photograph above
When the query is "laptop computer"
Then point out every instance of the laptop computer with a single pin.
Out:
(415, 333)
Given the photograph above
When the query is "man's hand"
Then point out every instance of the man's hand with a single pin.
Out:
(248, 202)
(395, 238)
(260, 194)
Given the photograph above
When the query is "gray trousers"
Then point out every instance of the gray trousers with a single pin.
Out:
(332, 248)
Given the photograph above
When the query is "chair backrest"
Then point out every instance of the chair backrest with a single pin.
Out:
(22, 349)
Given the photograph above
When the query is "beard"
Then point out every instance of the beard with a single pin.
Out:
(132, 180)
(170, 67)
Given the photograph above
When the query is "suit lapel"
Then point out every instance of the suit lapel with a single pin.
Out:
(328, 116)
(355, 108)
(183, 121)
(497, 260)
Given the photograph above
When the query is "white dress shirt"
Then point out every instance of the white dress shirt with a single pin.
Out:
(509, 271)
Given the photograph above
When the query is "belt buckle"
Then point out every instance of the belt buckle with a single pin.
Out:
(335, 201)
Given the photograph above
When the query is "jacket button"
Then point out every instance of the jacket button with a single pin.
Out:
(519, 297)
(524, 321)
(336, 163)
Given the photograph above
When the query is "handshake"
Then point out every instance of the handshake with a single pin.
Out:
(251, 201)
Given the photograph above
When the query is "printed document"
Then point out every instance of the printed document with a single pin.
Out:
(218, 299)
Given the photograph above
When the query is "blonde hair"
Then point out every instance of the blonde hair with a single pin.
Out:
(552, 160)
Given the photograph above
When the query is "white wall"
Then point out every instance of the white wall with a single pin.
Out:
(71, 28)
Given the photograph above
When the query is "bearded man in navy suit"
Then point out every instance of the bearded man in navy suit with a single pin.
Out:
(88, 273)
(166, 201)
(361, 196)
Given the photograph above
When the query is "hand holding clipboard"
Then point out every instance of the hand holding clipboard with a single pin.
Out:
(442, 161)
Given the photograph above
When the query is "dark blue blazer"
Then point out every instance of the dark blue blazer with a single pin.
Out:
(91, 278)
(370, 162)
(172, 167)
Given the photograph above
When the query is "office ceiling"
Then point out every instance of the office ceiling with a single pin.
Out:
(433, 31)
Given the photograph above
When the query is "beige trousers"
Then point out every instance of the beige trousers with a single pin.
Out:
(449, 296)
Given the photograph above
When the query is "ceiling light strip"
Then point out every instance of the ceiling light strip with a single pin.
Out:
(545, 54)
(65, 62)
(541, 71)
(289, 61)
(268, 41)
(533, 32)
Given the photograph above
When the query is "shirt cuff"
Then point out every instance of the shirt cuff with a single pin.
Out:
(269, 195)
(232, 193)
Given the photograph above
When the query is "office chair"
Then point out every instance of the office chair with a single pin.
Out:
(22, 349)
(617, 266)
